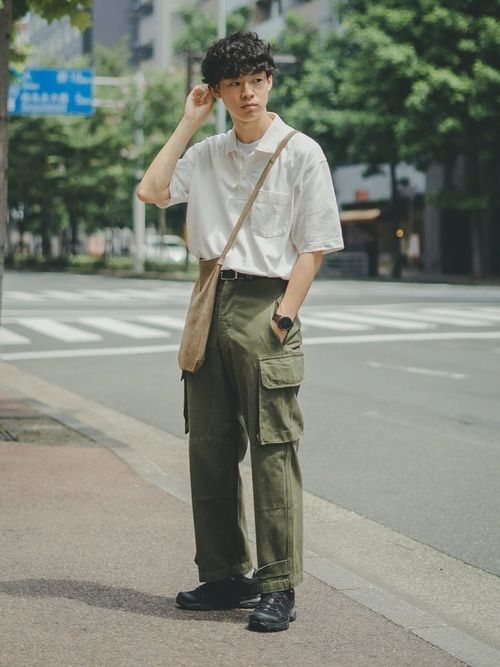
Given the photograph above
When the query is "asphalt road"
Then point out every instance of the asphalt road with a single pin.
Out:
(401, 398)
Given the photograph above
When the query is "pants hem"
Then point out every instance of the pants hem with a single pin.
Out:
(224, 573)
(278, 584)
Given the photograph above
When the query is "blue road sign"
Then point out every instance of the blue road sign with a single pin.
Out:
(52, 92)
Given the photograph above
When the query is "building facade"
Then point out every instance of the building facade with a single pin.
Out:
(155, 23)
(59, 41)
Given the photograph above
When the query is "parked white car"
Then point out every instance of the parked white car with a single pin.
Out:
(167, 248)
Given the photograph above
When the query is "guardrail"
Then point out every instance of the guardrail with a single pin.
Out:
(346, 263)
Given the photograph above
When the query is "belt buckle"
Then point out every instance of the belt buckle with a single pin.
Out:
(234, 277)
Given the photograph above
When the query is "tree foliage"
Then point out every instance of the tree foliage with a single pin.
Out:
(421, 82)
(78, 11)
(304, 93)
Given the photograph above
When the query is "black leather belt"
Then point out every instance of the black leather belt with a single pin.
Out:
(231, 274)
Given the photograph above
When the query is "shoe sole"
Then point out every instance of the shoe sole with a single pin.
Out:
(260, 626)
(207, 606)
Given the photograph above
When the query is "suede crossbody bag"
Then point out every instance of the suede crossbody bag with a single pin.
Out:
(201, 306)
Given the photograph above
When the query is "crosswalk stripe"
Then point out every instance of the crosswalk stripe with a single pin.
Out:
(105, 295)
(19, 295)
(392, 323)
(143, 293)
(58, 330)
(471, 314)
(64, 295)
(163, 321)
(490, 309)
(123, 328)
(8, 337)
(460, 321)
(425, 316)
(327, 324)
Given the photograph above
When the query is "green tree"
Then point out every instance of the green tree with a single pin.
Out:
(420, 81)
(66, 172)
(78, 13)
(305, 92)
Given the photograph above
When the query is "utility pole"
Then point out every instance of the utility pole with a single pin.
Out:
(139, 208)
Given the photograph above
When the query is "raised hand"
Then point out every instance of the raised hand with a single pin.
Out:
(199, 104)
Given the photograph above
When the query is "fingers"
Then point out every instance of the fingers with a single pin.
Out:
(202, 95)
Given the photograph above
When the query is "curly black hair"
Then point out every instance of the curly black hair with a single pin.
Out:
(236, 55)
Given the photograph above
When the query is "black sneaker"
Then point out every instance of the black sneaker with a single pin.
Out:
(232, 593)
(274, 611)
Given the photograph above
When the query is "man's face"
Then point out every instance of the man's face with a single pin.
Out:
(245, 97)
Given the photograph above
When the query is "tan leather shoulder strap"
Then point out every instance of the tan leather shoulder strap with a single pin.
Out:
(255, 192)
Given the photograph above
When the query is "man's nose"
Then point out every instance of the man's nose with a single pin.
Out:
(246, 89)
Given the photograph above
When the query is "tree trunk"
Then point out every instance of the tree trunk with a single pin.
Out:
(5, 28)
(74, 232)
(45, 231)
(395, 221)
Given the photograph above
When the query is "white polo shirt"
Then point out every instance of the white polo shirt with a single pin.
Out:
(295, 211)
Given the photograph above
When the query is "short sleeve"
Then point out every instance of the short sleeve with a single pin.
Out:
(316, 223)
(181, 178)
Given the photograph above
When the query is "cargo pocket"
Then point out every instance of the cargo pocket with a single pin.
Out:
(185, 404)
(280, 418)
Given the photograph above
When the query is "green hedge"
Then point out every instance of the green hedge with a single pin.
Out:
(86, 263)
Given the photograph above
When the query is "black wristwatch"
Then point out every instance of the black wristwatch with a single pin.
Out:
(285, 323)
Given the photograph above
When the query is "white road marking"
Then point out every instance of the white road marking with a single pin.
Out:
(427, 315)
(145, 294)
(8, 337)
(418, 370)
(380, 321)
(324, 340)
(163, 321)
(95, 352)
(122, 328)
(105, 295)
(58, 330)
(19, 295)
(338, 326)
(63, 295)
(461, 321)
(490, 309)
(474, 314)
(395, 338)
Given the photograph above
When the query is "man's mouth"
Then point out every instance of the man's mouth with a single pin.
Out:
(250, 106)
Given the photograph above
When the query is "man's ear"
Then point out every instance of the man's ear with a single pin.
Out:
(270, 82)
(215, 91)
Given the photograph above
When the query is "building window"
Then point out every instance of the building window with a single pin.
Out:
(142, 52)
(142, 7)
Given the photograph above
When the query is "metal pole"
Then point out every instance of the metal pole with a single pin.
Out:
(139, 208)
(221, 32)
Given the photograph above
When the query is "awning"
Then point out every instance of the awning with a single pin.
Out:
(360, 215)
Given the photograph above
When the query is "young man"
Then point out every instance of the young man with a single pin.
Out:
(246, 389)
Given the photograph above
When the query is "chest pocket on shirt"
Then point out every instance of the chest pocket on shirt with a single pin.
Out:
(271, 213)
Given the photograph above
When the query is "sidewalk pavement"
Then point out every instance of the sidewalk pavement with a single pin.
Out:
(92, 558)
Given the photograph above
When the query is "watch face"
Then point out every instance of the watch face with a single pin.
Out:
(285, 323)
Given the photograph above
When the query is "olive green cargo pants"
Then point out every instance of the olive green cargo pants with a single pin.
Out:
(246, 391)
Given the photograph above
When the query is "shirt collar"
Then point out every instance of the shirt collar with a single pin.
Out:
(268, 142)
